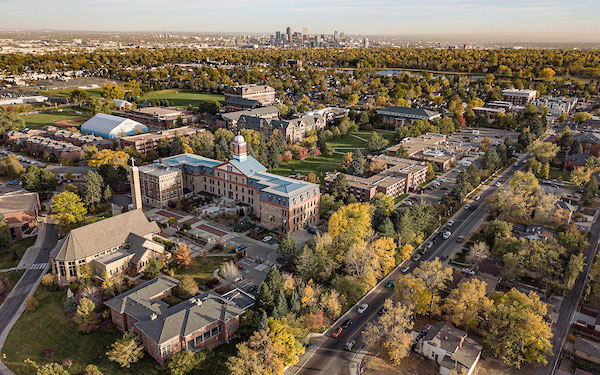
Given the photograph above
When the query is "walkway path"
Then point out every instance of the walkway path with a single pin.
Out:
(357, 137)
(14, 305)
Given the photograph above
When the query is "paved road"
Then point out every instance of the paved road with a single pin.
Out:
(331, 358)
(10, 308)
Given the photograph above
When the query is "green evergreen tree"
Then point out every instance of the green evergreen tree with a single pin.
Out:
(274, 280)
(264, 298)
(295, 302)
(357, 166)
(281, 307)
(264, 321)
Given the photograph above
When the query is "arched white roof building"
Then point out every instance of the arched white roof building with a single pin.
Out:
(108, 126)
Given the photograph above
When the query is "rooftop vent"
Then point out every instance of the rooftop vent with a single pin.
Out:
(153, 316)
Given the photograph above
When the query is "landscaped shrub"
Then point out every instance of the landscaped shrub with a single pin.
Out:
(31, 303)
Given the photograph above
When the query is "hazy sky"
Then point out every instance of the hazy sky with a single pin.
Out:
(543, 19)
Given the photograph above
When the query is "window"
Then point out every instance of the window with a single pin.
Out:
(165, 350)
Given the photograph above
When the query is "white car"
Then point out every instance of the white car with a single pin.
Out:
(447, 234)
(429, 244)
(450, 223)
(468, 271)
(467, 206)
(497, 184)
(405, 269)
(408, 203)
(267, 238)
(362, 308)
(476, 198)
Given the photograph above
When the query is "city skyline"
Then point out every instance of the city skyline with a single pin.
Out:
(542, 20)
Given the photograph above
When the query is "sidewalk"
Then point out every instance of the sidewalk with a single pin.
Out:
(32, 252)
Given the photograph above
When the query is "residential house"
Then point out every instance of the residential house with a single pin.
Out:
(20, 210)
(590, 142)
(206, 320)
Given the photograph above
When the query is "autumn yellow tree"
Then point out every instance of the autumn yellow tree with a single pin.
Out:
(346, 161)
(110, 157)
(391, 331)
(182, 256)
(411, 291)
(351, 223)
(434, 276)
(467, 304)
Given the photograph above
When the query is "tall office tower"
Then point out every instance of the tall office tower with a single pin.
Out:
(335, 36)
(278, 36)
(304, 33)
(366, 43)
(288, 31)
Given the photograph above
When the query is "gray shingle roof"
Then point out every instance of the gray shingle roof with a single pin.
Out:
(410, 111)
(94, 238)
(586, 138)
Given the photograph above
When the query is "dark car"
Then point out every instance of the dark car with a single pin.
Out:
(347, 323)
(381, 311)
(312, 230)
(444, 257)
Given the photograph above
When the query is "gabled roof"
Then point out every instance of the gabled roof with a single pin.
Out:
(105, 234)
(586, 138)
(257, 112)
(578, 159)
(248, 167)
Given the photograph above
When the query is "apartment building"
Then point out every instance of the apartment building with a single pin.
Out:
(58, 149)
(282, 204)
(230, 120)
(556, 105)
(204, 321)
(399, 177)
(238, 98)
(519, 97)
(148, 142)
(160, 184)
(293, 130)
(400, 116)
(163, 117)
(431, 147)
(590, 142)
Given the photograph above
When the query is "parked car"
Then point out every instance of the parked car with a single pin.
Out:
(347, 323)
(240, 247)
(447, 234)
(497, 184)
(444, 257)
(239, 265)
(468, 271)
(405, 269)
(362, 308)
(381, 311)
(312, 230)
(516, 164)
(349, 345)
(416, 257)
(467, 207)
(450, 223)
(477, 197)
(389, 284)
(429, 244)
(337, 332)
(267, 238)
(460, 239)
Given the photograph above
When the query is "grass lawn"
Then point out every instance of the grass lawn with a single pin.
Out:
(15, 253)
(63, 93)
(182, 97)
(40, 120)
(48, 327)
(366, 134)
(318, 165)
(216, 361)
(348, 142)
(559, 174)
(202, 269)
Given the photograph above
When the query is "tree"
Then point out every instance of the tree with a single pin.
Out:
(351, 223)
(78, 96)
(281, 308)
(357, 166)
(109, 157)
(86, 318)
(152, 268)
(286, 251)
(10, 120)
(479, 251)
(468, 303)
(100, 105)
(182, 256)
(590, 190)
(68, 208)
(38, 179)
(92, 188)
(547, 74)
(401, 152)
(434, 276)
(52, 368)
(112, 91)
(11, 167)
(353, 99)
(543, 151)
(340, 189)
(376, 143)
(264, 298)
(517, 331)
(581, 117)
(92, 370)
(274, 280)
(229, 271)
(31, 303)
(183, 362)
(574, 268)
(107, 195)
(126, 350)
(375, 166)
(187, 287)
(392, 331)
(412, 292)
(346, 162)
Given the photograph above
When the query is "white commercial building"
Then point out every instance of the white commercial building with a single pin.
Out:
(108, 126)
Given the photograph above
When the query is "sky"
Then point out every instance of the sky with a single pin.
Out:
(539, 19)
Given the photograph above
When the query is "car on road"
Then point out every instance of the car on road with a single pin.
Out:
(460, 239)
(381, 311)
(416, 257)
(362, 308)
(267, 238)
(389, 284)
(312, 230)
(444, 257)
(337, 332)
(497, 184)
(408, 203)
(347, 323)
(468, 271)
(467, 207)
(450, 223)
(349, 345)
(516, 164)
(429, 244)
(477, 197)
(447, 234)
(240, 247)
(405, 269)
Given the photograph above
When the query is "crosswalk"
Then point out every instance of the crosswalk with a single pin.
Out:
(38, 266)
